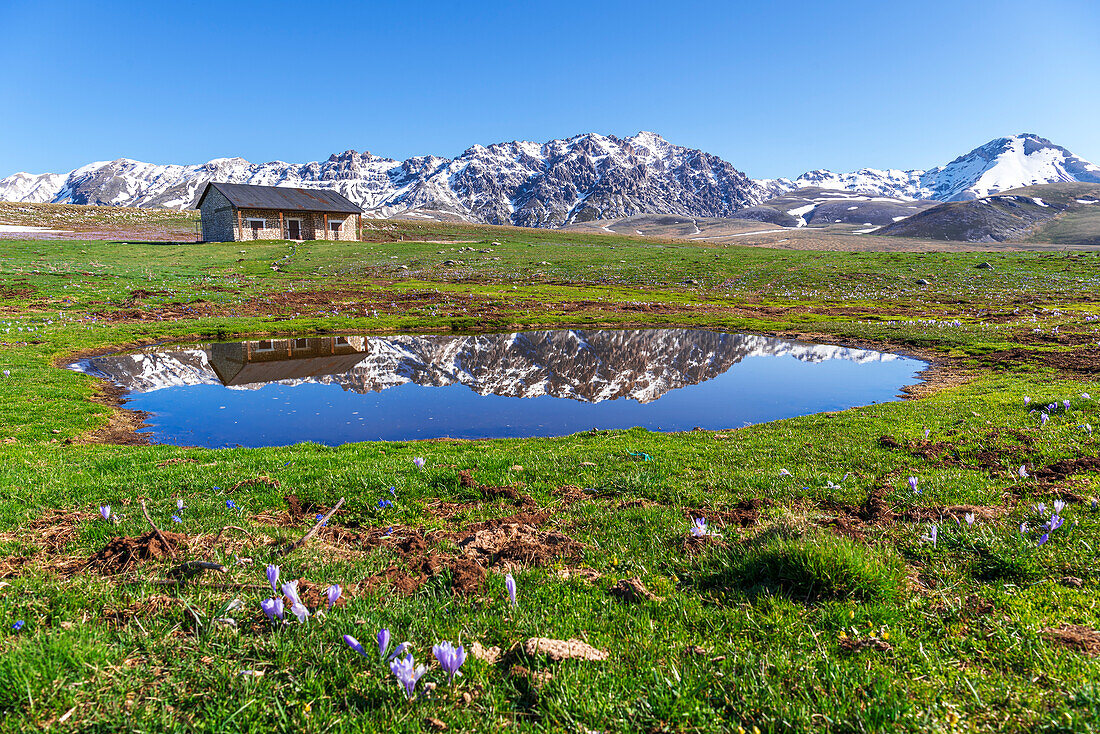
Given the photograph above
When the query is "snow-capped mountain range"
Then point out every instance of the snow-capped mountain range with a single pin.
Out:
(999, 165)
(588, 366)
(560, 182)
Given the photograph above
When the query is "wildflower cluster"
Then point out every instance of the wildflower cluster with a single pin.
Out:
(1049, 526)
(275, 607)
(403, 665)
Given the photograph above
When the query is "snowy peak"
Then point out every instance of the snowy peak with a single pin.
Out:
(999, 165)
(1008, 163)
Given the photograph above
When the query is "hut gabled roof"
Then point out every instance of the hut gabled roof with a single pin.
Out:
(283, 198)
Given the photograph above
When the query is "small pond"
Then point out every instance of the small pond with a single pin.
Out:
(335, 390)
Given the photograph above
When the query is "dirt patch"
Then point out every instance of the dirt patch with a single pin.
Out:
(466, 576)
(852, 521)
(262, 479)
(504, 543)
(860, 644)
(174, 462)
(12, 292)
(845, 527)
(957, 513)
(570, 494)
(505, 492)
(745, 513)
(124, 553)
(1081, 361)
(1075, 637)
(632, 590)
(988, 453)
(147, 607)
(315, 596)
(139, 295)
(13, 566)
(123, 424)
(52, 532)
(516, 545)
(557, 650)
(587, 575)
(1068, 467)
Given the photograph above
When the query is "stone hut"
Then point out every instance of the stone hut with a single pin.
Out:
(236, 212)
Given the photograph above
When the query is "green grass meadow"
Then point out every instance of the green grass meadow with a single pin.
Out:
(821, 606)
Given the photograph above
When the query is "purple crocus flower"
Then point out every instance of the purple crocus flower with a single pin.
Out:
(510, 584)
(1040, 508)
(1027, 400)
(105, 510)
(383, 642)
(299, 610)
(273, 608)
(1055, 523)
(1043, 418)
(273, 577)
(1065, 404)
(699, 527)
(1023, 472)
(1044, 538)
(408, 673)
(354, 645)
(1085, 396)
(784, 473)
(333, 593)
(913, 484)
(969, 517)
(1023, 528)
(419, 462)
(926, 434)
(176, 518)
(1059, 505)
(931, 537)
(179, 505)
(450, 658)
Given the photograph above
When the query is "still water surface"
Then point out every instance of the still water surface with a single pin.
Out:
(335, 390)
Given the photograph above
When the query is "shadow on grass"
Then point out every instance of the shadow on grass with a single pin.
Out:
(809, 567)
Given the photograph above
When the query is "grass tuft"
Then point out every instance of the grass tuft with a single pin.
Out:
(810, 567)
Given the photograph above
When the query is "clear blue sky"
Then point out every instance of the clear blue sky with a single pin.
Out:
(774, 88)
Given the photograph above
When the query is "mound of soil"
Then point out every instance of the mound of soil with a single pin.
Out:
(491, 493)
(1068, 467)
(1076, 637)
(745, 513)
(122, 554)
(505, 543)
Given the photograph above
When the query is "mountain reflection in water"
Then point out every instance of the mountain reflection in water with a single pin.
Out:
(483, 376)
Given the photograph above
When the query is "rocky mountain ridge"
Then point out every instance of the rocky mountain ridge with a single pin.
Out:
(584, 178)
(526, 184)
(582, 365)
